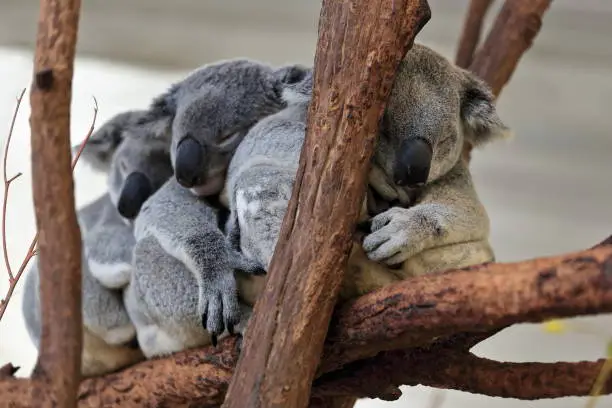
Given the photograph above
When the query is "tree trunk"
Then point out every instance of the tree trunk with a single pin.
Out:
(57, 372)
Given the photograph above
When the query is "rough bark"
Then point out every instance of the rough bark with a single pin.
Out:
(57, 372)
(564, 286)
(359, 48)
(512, 34)
(412, 312)
(470, 33)
(444, 366)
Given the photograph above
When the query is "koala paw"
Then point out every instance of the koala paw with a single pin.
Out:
(395, 236)
(219, 305)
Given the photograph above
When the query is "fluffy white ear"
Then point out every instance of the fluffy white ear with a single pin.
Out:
(481, 123)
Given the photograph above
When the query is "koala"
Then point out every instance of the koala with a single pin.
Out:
(426, 213)
(137, 166)
(219, 99)
(109, 337)
(182, 279)
(206, 133)
(104, 141)
(438, 221)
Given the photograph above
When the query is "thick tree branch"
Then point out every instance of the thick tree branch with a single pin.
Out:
(359, 49)
(530, 291)
(447, 367)
(470, 33)
(412, 312)
(57, 372)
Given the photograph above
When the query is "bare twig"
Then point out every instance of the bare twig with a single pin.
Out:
(470, 34)
(32, 251)
(7, 185)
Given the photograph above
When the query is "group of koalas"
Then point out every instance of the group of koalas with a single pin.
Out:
(175, 253)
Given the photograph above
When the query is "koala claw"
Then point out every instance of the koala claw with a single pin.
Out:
(213, 340)
(220, 306)
(391, 238)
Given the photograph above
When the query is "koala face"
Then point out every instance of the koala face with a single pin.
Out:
(213, 117)
(139, 167)
(434, 105)
(103, 143)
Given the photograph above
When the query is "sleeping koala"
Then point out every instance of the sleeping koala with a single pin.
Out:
(109, 337)
(427, 214)
(181, 231)
(136, 166)
(204, 135)
(439, 222)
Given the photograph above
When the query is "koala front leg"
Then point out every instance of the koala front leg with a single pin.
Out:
(448, 212)
(109, 254)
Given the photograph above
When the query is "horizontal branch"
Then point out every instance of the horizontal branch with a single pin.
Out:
(445, 367)
(412, 312)
(406, 314)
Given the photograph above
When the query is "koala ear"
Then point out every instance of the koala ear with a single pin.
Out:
(100, 147)
(291, 74)
(481, 124)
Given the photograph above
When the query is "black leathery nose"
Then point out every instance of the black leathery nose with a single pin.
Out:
(413, 162)
(136, 189)
(188, 162)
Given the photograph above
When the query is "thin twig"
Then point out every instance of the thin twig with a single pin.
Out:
(32, 251)
(7, 185)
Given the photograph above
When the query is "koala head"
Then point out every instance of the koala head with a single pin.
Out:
(433, 107)
(138, 168)
(298, 84)
(103, 143)
(210, 112)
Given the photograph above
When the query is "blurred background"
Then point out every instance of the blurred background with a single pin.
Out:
(547, 191)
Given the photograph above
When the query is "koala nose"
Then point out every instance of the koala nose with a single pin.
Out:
(136, 189)
(188, 162)
(412, 164)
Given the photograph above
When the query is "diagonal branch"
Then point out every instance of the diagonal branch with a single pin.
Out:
(470, 33)
(513, 32)
(360, 46)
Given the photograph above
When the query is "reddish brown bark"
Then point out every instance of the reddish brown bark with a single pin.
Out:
(360, 47)
(470, 33)
(57, 372)
(512, 34)
(563, 286)
(444, 366)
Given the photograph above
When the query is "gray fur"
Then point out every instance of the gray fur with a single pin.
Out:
(139, 166)
(434, 101)
(262, 172)
(109, 334)
(434, 104)
(162, 301)
(209, 113)
(103, 143)
(185, 228)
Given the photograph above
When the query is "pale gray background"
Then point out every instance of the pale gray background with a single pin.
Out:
(547, 191)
